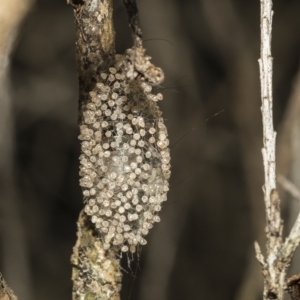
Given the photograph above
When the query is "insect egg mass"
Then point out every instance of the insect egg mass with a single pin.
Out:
(125, 159)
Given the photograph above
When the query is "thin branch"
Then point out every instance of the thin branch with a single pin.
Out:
(132, 12)
(291, 243)
(138, 63)
(96, 271)
(274, 276)
(259, 255)
(269, 135)
(279, 254)
(95, 42)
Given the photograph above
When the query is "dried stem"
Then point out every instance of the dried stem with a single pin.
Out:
(132, 12)
(279, 254)
(138, 63)
(274, 276)
(269, 135)
(96, 272)
(95, 42)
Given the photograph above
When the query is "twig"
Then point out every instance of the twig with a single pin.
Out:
(269, 136)
(132, 12)
(279, 254)
(288, 150)
(274, 275)
(96, 271)
(95, 45)
(138, 63)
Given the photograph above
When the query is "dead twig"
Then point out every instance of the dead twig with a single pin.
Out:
(278, 253)
(138, 63)
(96, 271)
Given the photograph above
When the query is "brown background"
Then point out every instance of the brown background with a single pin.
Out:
(203, 247)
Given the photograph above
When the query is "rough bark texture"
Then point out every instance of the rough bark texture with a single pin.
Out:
(96, 272)
(278, 253)
(95, 42)
(273, 270)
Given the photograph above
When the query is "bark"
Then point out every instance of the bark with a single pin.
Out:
(96, 272)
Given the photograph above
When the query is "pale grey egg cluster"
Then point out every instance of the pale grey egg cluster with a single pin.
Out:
(125, 160)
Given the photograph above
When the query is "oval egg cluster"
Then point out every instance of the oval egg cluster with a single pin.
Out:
(125, 160)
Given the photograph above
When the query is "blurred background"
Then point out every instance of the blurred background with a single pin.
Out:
(203, 247)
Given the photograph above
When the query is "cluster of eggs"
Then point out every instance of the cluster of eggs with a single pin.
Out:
(125, 159)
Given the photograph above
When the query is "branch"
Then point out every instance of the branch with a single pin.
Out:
(269, 135)
(273, 275)
(291, 243)
(124, 161)
(95, 42)
(279, 254)
(138, 63)
(96, 272)
(132, 12)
